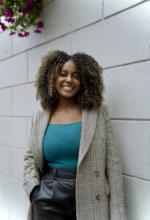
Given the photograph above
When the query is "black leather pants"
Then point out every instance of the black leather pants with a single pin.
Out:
(54, 199)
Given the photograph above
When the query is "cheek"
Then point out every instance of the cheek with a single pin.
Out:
(57, 83)
(79, 84)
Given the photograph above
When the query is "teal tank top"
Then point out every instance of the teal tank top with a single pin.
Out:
(61, 145)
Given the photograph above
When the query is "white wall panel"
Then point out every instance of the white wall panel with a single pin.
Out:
(84, 12)
(16, 197)
(13, 132)
(114, 6)
(5, 45)
(2, 188)
(123, 38)
(4, 197)
(16, 164)
(127, 90)
(24, 101)
(71, 16)
(132, 138)
(13, 71)
(5, 101)
(5, 160)
(56, 19)
(4, 211)
(16, 216)
(138, 197)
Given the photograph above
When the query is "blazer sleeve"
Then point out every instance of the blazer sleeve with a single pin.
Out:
(31, 176)
(114, 173)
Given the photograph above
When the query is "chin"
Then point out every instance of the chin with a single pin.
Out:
(67, 95)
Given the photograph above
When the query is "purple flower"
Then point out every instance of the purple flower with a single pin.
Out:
(12, 33)
(20, 35)
(20, 17)
(40, 24)
(26, 34)
(3, 26)
(24, 10)
(23, 34)
(8, 13)
(10, 20)
(37, 31)
(29, 2)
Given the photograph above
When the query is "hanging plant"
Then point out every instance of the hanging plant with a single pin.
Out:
(17, 16)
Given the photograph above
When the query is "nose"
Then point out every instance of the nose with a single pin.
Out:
(68, 78)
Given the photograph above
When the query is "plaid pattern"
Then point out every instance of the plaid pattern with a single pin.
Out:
(99, 181)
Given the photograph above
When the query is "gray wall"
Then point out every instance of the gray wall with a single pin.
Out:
(117, 34)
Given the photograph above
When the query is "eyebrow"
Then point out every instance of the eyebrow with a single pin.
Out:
(72, 72)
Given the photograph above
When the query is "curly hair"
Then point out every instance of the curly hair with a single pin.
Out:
(89, 96)
(92, 85)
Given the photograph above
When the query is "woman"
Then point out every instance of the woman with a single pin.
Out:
(71, 167)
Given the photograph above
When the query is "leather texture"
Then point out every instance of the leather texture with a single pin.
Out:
(54, 197)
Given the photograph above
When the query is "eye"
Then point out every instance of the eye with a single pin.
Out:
(76, 75)
(63, 73)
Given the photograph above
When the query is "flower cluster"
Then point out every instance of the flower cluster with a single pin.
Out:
(18, 15)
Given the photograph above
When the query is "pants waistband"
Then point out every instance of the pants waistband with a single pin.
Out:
(59, 172)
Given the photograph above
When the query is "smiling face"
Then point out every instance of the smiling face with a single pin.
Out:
(68, 80)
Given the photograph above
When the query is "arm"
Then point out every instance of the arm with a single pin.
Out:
(114, 173)
(31, 173)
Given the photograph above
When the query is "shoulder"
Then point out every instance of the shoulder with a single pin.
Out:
(36, 116)
(104, 109)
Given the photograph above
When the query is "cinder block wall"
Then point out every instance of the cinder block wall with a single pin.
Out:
(117, 34)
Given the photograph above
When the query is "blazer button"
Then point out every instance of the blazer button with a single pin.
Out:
(96, 173)
(98, 197)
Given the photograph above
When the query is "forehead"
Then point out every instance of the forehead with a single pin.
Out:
(69, 65)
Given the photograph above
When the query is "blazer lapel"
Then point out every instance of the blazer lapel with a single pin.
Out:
(89, 121)
(43, 123)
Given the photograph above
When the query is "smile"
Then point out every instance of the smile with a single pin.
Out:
(68, 88)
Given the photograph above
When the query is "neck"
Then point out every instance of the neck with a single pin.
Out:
(67, 103)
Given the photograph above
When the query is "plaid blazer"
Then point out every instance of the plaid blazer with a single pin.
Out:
(99, 180)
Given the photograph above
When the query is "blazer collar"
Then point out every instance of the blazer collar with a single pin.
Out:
(89, 122)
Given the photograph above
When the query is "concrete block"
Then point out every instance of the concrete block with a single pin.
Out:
(114, 6)
(117, 40)
(5, 45)
(137, 197)
(16, 164)
(132, 139)
(127, 90)
(15, 129)
(5, 160)
(13, 70)
(5, 101)
(24, 100)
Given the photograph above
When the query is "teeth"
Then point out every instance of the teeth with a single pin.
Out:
(67, 87)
